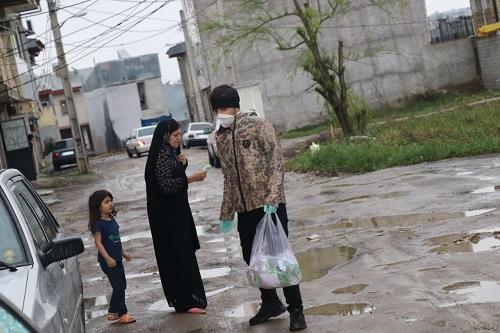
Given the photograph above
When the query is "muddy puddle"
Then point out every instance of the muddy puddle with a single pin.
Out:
(473, 292)
(465, 243)
(487, 189)
(406, 219)
(354, 289)
(336, 309)
(316, 262)
(137, 235)
(243, 310)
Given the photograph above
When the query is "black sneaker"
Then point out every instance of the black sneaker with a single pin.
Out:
(267, 311)
(297, 321)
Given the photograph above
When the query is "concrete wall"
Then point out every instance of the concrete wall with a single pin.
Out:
(115, 111)
(155, 99)
(402, 61)
(81, 110)
(489, 58)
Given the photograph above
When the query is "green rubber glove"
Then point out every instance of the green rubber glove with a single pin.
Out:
(270, 209)
(225, 226)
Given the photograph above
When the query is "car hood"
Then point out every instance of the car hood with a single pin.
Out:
(13, 285)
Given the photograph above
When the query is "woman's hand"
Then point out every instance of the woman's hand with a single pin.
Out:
(198, 176)
(183, 159)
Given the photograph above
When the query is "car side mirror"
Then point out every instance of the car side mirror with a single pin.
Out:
(63, 249)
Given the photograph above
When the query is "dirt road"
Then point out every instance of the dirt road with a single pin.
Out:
(410, 249)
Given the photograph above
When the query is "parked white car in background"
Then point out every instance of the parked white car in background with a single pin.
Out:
(140, 140)
(196, 134)
(39, 271)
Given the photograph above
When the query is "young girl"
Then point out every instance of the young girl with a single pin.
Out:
(110, 253)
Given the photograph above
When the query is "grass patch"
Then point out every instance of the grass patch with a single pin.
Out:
(305, 131)
(464, 132)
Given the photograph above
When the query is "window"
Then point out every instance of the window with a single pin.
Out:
(43, 227)
(146, 131)
(63, 144)
(200, 127)
(45, 100)
(64, 107)
(11, 248)
(141, 89)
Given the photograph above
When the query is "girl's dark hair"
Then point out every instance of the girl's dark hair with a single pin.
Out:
(95, 201)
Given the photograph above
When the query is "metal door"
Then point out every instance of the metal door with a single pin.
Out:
(18, 149)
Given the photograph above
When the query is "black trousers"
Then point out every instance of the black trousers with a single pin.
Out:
(247, 225)
(116, 276)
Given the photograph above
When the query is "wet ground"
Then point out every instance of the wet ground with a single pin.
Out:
(409, 249)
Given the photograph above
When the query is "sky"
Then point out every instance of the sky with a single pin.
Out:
(155, 34)
(444, 5)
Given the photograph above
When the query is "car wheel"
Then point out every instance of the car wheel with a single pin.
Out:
(137, 153)
(216, 162)
(129, 153)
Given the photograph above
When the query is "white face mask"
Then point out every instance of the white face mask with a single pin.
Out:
(226, 120)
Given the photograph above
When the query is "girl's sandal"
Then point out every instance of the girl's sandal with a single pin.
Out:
(113, 316)
(126, 319)
(196, 311)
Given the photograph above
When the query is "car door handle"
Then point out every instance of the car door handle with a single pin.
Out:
(61, 264)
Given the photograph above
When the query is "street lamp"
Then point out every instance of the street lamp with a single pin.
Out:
(81, 156)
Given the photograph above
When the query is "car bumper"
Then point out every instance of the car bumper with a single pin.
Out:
(142, 149)
(197, 142)
(64, 160)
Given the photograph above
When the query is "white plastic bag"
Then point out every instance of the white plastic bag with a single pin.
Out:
(272, 263)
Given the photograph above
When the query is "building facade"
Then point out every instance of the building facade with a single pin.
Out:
(394, 59)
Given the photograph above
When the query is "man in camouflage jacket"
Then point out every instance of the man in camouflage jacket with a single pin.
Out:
(252, 166)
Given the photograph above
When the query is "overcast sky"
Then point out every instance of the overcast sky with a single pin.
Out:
(153, 35)
(444, 5)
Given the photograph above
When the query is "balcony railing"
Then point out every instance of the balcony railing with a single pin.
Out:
(446, 29)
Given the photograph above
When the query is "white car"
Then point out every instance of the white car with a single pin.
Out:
(140, 140)
(196, 134)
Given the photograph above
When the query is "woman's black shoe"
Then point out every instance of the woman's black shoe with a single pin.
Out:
(297, 321)
(267, 311)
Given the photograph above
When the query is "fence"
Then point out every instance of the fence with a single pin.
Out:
(446, 29)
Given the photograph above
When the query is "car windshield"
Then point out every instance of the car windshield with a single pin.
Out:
(146, 131)
(11, 248)
(200, 127)
(63, 144)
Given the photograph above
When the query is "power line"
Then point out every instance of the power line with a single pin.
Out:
(42, 13)
(74, 60)
(149, 18)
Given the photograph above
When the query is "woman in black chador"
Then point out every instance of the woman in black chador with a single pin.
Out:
(172, 225)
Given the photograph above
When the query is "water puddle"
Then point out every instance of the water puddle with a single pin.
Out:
(395, 220)
(316, 262)
(50, 201)
(242, 311)
(197, 200)
(354, 289)
(138, 235)
(95, 314)
(478, 212)
(336, 309)
(160, 306)
(465, 173)
(460, 243)
(127, 276)
(95, 301)
(218, 291)
(474, 292)
(215, 272)
(487, 189)
(405, 219)
(201, 230)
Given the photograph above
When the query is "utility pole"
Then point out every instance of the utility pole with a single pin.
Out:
(81, 156)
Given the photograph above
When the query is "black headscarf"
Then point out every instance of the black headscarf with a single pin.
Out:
(160, 137)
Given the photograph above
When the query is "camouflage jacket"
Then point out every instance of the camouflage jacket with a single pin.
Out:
(252, 165)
